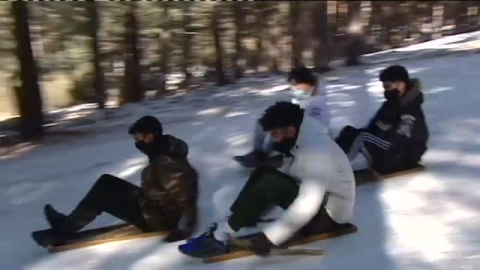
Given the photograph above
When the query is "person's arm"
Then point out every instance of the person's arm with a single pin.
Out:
(403, 131)
(176, 190)
(308, 202)
(372, 126)
(179, 183)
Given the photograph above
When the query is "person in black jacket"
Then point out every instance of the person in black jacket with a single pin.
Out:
(396, 137)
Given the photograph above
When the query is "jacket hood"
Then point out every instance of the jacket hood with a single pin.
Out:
(310, 129)
(414, 96)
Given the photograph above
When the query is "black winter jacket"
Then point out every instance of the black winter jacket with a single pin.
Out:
(403, 124)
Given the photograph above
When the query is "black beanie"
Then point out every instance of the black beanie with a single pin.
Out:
(146, 124)
(394, 74)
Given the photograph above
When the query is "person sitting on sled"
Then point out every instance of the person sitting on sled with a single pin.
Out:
(166, 199)
(315, 186)
(396, 137)
(305, 92)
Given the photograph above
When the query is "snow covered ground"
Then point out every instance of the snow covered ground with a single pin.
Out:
(429, 220)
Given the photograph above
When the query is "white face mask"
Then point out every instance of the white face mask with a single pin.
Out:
(300, 94)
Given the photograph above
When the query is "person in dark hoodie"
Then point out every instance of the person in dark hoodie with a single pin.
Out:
(396, 137)
(166, 199)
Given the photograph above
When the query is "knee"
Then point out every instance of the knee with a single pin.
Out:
(348, 130)
(260, 172)
(347, 133)
(105, 180)
(266, 177)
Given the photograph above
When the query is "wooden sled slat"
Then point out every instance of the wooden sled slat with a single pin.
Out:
(242, 253)
(370, 176)
(122, 233)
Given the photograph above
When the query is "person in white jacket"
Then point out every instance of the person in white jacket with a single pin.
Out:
(305, 91)
(315, 186)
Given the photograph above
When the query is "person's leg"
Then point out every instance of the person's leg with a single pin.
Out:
(265, 187)
(376, 146)
(382, 160)
(111, 195)
(347, 137)
(380, 154)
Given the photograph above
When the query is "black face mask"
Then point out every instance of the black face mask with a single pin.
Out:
(284, 146)
(142, 146)
(392, 95)
(157, 147)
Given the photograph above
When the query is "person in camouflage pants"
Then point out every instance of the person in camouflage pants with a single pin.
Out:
(166, 199)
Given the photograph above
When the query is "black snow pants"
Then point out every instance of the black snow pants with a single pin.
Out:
(376, 150)
(267, 187)
(117, 197)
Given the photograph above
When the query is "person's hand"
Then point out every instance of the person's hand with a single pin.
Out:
(259, 244)
(188, 221)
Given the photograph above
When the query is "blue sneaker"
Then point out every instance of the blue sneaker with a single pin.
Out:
(204, 245)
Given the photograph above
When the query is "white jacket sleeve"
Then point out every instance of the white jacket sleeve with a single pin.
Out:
(314, 178)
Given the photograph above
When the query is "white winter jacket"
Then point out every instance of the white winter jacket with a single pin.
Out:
(320, 166)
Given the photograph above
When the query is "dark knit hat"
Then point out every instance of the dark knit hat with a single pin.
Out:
(146, 124)
(282, 114)
(394, 74)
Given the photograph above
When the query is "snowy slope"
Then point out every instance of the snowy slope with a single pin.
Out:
(429, 220)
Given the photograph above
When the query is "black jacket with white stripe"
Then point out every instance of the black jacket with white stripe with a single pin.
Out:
(402, 124)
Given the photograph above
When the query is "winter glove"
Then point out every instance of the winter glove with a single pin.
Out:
(258, 244)
(261, 245)
(186, 227)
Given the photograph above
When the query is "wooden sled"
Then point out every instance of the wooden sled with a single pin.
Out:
(242, 252)
(368, 175)
(102, 235)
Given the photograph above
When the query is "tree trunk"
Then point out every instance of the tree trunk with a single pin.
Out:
(274, 31)
(28, 94)
(354, 46)
(221, 78)
(165, 49)
(296, 52)
(133, 91)
(461, 17)
(187, 46)
(98, 83)
(437, 20)
(240, 28)
(260, 26)
(320, 35)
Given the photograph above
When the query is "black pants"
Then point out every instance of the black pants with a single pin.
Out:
(377, 151)
(267, 187)
(117, 197)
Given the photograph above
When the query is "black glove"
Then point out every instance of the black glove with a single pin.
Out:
(185, 228)
(261, 245)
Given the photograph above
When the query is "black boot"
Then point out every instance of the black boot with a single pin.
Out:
(63, 224)
(77, 220)
(54, 218)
